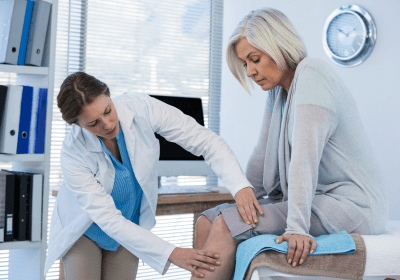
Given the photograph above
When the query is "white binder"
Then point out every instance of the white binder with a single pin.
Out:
(36, 210)
(10, 122)
(37, 32)
(12, 15)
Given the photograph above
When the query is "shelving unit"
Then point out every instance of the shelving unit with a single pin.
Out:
(22, 158)
(19, 245)
(26, 258)
(20, 69)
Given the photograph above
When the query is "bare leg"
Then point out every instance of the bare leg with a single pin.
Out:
(203, 226)
(220, 241)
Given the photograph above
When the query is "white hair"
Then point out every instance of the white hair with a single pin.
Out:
(271, 32)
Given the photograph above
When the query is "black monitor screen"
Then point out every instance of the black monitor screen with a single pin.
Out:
(191, 106)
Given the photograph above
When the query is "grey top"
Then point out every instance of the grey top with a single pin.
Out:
(317, 155)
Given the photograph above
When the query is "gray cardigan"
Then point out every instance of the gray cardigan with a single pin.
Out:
(317, 155)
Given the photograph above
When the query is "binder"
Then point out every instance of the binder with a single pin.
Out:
(10, 120)
(32, 136)
(3, 95)
(46, 52)
(37, 32)
(7, 185)
(30, 205)
(25, 32)
(41, 121)
(2, 206)
(34, 219)
(25, 120)
(12, 14)
(20, 205)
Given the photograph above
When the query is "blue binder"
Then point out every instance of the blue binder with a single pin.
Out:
(25, 120)
(41, 121)
(25, 32)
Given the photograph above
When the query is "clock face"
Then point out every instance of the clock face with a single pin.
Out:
(346, 35)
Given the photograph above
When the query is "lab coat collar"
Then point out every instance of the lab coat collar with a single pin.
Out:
(126, 119)
(90, 140)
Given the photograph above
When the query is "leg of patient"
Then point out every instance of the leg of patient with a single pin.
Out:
(203, 226)
(220, 241)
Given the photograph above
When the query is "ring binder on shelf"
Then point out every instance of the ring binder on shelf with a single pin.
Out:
(10, 120)
(12, 14)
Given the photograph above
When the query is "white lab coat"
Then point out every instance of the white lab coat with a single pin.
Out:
(85, 194)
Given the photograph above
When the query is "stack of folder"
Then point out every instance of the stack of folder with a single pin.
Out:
(22, 119)
(20, 206)
(24, 30)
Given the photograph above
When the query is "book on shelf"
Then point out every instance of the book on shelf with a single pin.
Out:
(27, 218)
(22, 119)
(12, 14)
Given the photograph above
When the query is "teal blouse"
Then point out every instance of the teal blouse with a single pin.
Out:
(127, 194)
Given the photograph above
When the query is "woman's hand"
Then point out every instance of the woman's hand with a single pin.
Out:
(299, 246)
(247, 204)
(189, 259)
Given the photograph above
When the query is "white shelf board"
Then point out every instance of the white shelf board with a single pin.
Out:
(22, 69)
(19, 245)
(21, 158)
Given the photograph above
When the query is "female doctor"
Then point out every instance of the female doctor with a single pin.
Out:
(106, 205)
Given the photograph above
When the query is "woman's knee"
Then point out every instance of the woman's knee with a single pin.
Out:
(203, 222)
(219, 227)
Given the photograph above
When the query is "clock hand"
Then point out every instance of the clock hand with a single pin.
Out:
(351, 31)
(340, 30)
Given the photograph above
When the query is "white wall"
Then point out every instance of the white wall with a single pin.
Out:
(373, 83)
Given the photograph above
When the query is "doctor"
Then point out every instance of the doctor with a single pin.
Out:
(106, 205)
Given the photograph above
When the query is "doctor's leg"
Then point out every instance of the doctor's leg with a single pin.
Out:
(120, 264)
(83, 260)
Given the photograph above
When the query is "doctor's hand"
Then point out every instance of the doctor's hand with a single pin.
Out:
(299, 246)
(247, 204)
(189, 259)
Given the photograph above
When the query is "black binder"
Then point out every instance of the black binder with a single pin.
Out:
(3, 97)
(20, 205)
(28, 205)
(9, 188)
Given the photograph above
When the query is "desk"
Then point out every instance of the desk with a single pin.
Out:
(169, 204)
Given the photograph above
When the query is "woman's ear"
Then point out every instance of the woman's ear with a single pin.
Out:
(77, 123)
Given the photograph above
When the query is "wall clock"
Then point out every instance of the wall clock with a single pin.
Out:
(349, 35)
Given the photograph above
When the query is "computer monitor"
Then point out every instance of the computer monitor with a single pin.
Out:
(174, 160)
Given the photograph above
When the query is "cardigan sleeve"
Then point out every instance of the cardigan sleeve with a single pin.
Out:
(315, 120)
(313, 126)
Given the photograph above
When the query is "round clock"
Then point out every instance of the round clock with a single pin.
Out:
(349, 35)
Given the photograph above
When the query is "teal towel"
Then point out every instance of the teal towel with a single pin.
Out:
(338, 243)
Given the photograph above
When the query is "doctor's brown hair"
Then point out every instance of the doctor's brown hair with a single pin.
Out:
(76, 91)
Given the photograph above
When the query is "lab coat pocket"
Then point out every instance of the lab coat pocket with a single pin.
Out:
(56, 226)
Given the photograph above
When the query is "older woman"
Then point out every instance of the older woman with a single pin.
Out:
(107, 203)
(313, 168)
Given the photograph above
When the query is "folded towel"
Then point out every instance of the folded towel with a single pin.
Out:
(344, 266)
(338, 243)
